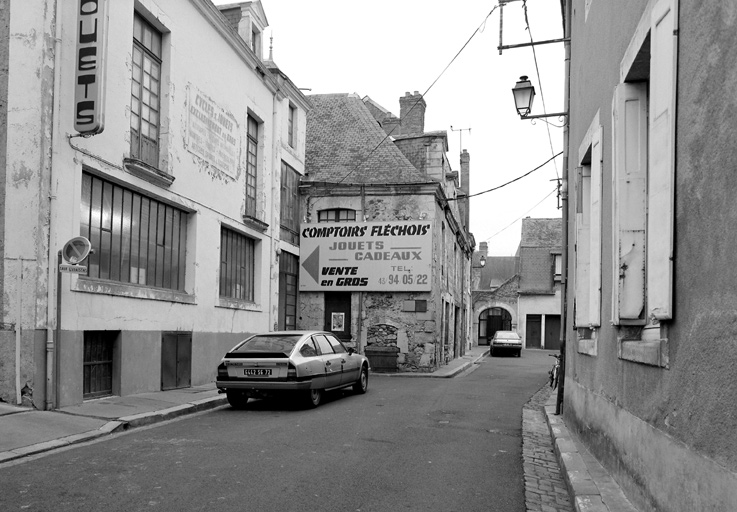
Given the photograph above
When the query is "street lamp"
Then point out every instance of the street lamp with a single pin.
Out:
(524, 94)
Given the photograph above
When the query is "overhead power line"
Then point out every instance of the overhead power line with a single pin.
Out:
(509, 182)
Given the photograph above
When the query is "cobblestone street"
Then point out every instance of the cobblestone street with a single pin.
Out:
(545, 489)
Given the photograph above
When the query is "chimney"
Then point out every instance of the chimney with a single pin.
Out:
(484, 249)
(465, 185)
(412, 113)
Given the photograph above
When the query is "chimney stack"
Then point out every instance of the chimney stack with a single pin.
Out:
(465, 187)
(412, 112)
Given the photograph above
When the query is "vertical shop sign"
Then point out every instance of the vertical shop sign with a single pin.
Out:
(89, 66)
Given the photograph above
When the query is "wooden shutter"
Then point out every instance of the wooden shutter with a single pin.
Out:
(661, 171)
(583, 204)
(629, 176)
(595, 231)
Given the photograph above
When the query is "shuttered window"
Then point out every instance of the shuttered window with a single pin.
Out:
(588, 230)
(643, 116)
(237, 265)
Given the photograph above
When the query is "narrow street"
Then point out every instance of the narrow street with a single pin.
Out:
(408, 444)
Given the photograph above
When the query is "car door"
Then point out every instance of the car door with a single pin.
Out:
(312, 364)
(350, 364)
(331, 360)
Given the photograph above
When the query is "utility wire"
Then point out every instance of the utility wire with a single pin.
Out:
(507, 183)
(522, 216)
(359, 164)
(540, 83)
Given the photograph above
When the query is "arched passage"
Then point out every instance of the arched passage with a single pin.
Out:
(492, 320)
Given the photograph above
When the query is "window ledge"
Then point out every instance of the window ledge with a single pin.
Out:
(102, 286)
(652, 353)
(255, 223)
(231, 303)
(588, 347)
(147, 172)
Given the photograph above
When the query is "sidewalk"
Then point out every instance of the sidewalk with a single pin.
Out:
(590, 487)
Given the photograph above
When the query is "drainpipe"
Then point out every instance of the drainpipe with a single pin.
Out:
(275, 251)
(53, 292)
(564, 203)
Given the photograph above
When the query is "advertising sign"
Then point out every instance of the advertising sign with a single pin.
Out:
(212, 133)
(89, 66)
(366, 256)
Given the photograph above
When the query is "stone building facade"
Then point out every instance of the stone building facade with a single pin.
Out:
(413, 318)
(156, 130)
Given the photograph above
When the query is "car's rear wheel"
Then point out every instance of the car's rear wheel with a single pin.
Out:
(361, 384)
(314, 397)
(237, 399)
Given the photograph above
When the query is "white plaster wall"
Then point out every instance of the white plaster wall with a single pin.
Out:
(536, 305)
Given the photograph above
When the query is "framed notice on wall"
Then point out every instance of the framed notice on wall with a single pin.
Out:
(337, 322)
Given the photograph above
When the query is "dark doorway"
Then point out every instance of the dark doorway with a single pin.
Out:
(288, 286)
(552, 332)
(534, 331)
(176, 360)
(492, 320)
(338, 314)
(98, 363)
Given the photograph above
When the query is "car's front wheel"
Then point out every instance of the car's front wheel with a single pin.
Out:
(314, 397)
(237, 399)
(361, 385)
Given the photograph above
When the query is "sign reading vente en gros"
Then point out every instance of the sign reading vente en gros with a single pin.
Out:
(89, 67)
(366, 256)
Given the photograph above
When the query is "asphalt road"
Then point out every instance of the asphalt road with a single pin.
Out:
(415, 444)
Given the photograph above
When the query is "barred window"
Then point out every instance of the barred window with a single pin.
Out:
(237, 265)
(251, 167)
(336, 215)
(135, 239)
(145, 92)
(289, 204)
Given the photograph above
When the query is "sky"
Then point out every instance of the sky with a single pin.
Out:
(385, 48)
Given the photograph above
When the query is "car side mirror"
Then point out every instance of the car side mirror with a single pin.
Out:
(351, 351)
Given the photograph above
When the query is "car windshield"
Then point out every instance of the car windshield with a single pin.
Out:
(282, 343)
(507, 335)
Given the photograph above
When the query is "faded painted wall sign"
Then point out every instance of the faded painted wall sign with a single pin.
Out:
(366, 256)
(89, 68)
(212, 133)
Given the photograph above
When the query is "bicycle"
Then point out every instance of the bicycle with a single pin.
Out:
(554, 371)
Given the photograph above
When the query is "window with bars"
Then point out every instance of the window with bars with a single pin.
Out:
(252, 167)
(145, 92)
(135, 239)
(237, 265)
(289, 204)
(336, 215)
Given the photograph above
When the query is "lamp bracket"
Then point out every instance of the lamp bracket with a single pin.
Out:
(538, 116)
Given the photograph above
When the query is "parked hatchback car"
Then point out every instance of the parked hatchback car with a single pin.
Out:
(506, 341)
(306, 363)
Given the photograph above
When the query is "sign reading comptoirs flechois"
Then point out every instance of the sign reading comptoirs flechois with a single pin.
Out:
(366, 256)
(89, 67)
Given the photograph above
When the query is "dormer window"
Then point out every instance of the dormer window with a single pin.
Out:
(256, 41)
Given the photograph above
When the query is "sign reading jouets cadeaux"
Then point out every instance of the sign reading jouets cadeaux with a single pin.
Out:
(89, 66)
(366, 256)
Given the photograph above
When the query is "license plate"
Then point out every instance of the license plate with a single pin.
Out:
(257, 372)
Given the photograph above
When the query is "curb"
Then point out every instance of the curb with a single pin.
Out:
(590, 487)
(436, 375)
(115, 426)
